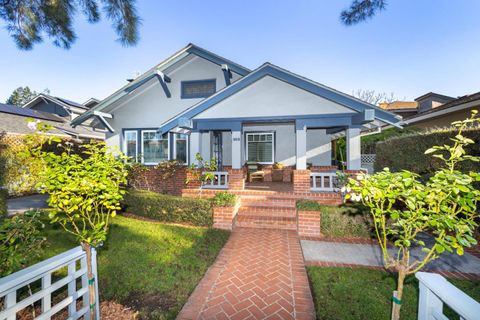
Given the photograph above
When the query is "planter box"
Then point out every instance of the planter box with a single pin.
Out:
(223, 217)
(308, 223)
(277, 175)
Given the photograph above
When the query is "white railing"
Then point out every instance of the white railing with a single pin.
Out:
(219, 181)
(435, 290)
(323, 181)
(41, 274)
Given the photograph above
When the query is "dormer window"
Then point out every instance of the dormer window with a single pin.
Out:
(196, 89)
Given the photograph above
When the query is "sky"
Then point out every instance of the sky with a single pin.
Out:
(411, 48)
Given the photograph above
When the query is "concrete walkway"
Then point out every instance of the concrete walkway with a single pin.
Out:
(371, 255)
(22, 204)
(259, 274)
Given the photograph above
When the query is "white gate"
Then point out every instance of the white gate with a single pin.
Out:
(75, 261)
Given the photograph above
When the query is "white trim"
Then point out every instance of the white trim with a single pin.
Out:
(175, 135)
(260, 133)
(141, 140)
(438, 113)
(125, 143)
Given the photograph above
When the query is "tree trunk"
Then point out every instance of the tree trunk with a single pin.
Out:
(91, 280)
(397, 295)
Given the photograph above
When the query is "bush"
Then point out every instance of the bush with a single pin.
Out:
(369, 142)
(349, 220)
(306, 205)
(166, 208)
(407, 152)
(224, 199)
(3, 203)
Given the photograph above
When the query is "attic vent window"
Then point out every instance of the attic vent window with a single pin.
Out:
(198, 88)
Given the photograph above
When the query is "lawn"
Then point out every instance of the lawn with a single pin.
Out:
(150, 267)
(348, 294)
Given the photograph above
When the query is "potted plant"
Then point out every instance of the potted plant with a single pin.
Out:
(277, 172)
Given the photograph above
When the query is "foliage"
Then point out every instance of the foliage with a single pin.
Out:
(445, 206)
(278, 165)
(22, 95)
(346, 221)
(369, 142)
(224, 199)
(308, 205)
(28, 21)
(3, 202)
(407, 152)
(148, 267)
(353, 294)
(20, 241)
(167, 208)
(361, 10)
(202, 170)
(165, 170)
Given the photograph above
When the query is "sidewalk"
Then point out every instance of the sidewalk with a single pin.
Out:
(22, 204)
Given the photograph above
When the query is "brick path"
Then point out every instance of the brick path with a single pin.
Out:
(259, 274)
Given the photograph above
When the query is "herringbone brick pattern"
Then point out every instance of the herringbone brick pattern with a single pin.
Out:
(259, 274)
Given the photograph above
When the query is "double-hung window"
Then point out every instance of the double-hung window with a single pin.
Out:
(130, 144)
(260, 147)
(180, 147)
(154, 147)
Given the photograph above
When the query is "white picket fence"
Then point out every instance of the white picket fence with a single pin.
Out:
(323, 181)
(435, 290)
(219, 181)
(76, 262)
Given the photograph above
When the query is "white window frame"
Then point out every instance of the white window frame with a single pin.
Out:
(125, 142)
(187, 138)
(168, 146)
(261, 133)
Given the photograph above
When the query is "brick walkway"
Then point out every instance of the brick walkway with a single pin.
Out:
(259, 274)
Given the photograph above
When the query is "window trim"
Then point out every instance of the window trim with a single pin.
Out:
(125, 142)
(198, 96)
(141, 146)
(260, 133)
(187, 138)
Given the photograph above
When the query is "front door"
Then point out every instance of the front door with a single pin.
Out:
(217, 148)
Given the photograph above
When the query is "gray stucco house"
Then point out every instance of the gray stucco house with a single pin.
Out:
(198, 102)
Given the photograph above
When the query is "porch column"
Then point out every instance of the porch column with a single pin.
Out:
(353, 149)
(236, 149)
(301, 152)
(194, 146)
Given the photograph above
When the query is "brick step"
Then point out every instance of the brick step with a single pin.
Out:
(273, 203)
(266, 222)
(269, 211)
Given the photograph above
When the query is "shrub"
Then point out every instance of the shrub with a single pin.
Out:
(3, 203)
(166, 208)
(369, 142)
(408, 152)
(306, 205)
(346, 221)
(224, 199)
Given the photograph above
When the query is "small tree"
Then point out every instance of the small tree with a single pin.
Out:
(403, 207)
(202, 171)
(85, 189)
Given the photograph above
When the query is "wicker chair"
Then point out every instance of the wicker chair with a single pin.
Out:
(254, 172)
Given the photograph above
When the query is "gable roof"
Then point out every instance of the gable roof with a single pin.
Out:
(67, 104)
(433, 94)
(162, 66)
(268, 69)
(25, 112)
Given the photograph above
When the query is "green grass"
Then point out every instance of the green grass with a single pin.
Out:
(350, 294)
(151, 267)
(349, 220)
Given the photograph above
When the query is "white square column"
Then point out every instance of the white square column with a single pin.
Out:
(236, 149)
(194, 146)
(353, 149)
(301, 148)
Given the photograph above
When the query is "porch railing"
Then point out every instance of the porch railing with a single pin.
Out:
(323, 181)
(41, 275)
(435, 290)
(219, 180)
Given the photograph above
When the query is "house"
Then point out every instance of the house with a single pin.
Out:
(198, 102)
(14, 120)
(402, 108)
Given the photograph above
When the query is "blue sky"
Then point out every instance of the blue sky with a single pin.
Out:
(411, 48)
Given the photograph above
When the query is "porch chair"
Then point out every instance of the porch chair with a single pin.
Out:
(254, 172)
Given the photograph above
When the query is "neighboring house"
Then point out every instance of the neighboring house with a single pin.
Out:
(13, 122)
(402, 108)
(198, 102)
(443, 115)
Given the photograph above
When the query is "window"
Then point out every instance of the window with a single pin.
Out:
(130, 147)
(260, 147)
(180, 147)
(198, 88)
(154, 147)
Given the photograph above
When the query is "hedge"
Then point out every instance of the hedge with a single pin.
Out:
(349, 220)
(167, 208)
(3, 203)
(224, 199)
(407, 152)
